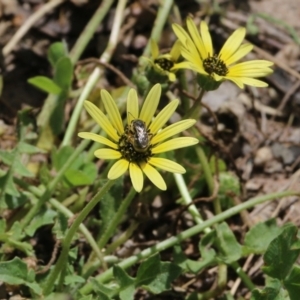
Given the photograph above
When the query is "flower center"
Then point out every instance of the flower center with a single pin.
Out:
(214, 64)
(130, 148)
(164, 63)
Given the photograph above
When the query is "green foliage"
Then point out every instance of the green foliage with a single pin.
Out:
(16, 272)
(283, 275)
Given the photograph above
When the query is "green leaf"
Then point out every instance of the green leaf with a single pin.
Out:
(44, 217)
(77, 177)
(29, 149)
(45, 84)
(266, 294)
(127, 283)
(15, 272)
(280, 257)
(63, 73)
(14, 202)
(56, 52)
(71, 279)
(110, 204)
(60, 226)
(230, 249)
(156, 276)
(258, 238)
(101, 290)
(208, 255)
(292, 283)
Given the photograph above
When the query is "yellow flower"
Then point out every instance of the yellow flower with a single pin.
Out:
(163, 64)
(136, 145)
(197, 49)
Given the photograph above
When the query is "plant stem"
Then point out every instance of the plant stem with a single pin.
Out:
(111, 227)
(89, 30)
(70, 234)
(59, 176)
(94, 77)
(162, 15)
(107, 275)
(193, 112)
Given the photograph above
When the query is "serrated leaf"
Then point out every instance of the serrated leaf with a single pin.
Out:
(20, 169)
(292, 283)
(279, 257)
(230, 249)
(15, 272)
(7, 157)
(29, 149)
(101, 290)
(56, 52)
(266, 294)
(127, 283)
(44, 217)
(258, 238)
(156, 276)
(45, 84)
(63, 73)
(14, 202)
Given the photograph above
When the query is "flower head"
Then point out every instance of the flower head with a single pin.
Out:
(162, 65)
(135, 145)
(197, 49)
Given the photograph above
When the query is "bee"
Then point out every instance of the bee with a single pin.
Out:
(139, 136)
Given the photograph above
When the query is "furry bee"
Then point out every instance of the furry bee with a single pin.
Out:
(139, 136)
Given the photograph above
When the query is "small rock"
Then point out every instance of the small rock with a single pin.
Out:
(262, 156)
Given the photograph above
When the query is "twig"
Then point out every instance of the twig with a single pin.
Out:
(96, 61)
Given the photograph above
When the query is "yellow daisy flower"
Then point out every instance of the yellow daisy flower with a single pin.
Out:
(136, 145)
(163, 64)
(197, 49)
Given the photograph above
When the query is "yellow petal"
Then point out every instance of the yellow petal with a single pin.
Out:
(150, 104)
(112, 111)
(172, 130)
(136, 176)
(166, 164)
(132, 106)
(101, 119)
(197, 40)
(106, 153)
(181, 34)
(241, 52)
(176, 143)
(154, 176)
(162, 118)
(206, 38)
(97, 138)
(118, 169)
(254, 82)
(175, 51)
(232, 44)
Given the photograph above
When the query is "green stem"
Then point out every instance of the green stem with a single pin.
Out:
(193, 112)
(111, 227)
(162, 15)
(208, 177)
(70, 234)
(170, 242)
(89, 30)
(187, 200)
(94, 77)
(61, 208)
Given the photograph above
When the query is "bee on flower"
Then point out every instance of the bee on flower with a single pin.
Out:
(213, 68)
(136, 145)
